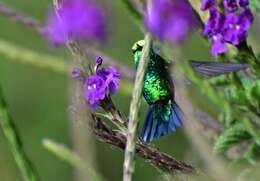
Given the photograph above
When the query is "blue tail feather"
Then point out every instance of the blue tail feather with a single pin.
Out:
(156, 126)
(147, 125)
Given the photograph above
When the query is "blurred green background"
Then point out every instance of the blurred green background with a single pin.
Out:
(39, 98)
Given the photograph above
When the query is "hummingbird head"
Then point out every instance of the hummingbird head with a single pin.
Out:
(138, 46)
(137, 51)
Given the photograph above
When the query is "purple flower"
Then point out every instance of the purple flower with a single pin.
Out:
(111, 77)
(246, 18)
(215, 22)
(104, 81)
(207, 4)
(218, 45)
(230, 5)
(236, 26)
(95, 90)
(231, 26)
(171, 20)
(76, 19)
(233, 32)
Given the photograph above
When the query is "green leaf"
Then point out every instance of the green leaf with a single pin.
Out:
(231, 136)
(253, 153)
(255, 5)
(238, 96)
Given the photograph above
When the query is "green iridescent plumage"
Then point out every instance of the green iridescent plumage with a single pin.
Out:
(158, 92)
(157, 85)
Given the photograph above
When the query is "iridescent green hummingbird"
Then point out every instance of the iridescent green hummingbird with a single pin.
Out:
(164, 115)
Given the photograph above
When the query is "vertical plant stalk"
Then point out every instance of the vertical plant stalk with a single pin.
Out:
(82, 139)
(134, 109)
(136, 8)
(15, 144)
(76, 50)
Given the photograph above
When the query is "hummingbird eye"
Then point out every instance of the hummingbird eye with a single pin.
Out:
(136, 48)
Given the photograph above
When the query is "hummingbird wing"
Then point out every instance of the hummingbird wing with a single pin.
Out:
(213, 69)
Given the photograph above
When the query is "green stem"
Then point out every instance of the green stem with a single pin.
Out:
(15, 144)
(246, 54)
(69, 156)
(134, 109)
(133, 10)
(28, 57)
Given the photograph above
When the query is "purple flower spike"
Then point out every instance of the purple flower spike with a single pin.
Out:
(230, 5)
(104, 82)
(246, 18)
(231, 26)
(218, 45)
(76, 73)
(171, 20)
(95, 90)
(215, 22)
(111, 77)
(208, 4)
(233, 31)
(77, 19)
(236, 27)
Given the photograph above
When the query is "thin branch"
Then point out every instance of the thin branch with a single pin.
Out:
(151, 154)
(134, 109)
(26, 56)
(20, 17)
(116, 116)
(27, 170)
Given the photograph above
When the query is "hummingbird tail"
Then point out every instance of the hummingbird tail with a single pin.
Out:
(161, 120)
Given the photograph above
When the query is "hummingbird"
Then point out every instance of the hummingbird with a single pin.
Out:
(164, 115)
